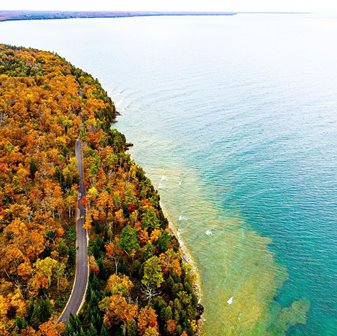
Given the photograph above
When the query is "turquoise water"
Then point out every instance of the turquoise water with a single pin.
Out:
(235, 121)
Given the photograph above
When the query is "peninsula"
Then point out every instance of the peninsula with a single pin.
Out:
(65, 176)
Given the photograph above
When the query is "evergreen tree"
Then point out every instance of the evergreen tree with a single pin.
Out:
(129, 240)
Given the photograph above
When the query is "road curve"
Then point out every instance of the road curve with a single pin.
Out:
(77, 296)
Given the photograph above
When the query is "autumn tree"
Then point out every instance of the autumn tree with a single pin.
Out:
(153, 277)
(46, 104)
(117, 310)
(147, 318)
(119, 285)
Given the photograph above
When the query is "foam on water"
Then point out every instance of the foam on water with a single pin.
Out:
(209, 232)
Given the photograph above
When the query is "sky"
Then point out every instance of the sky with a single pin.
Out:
(175, 5)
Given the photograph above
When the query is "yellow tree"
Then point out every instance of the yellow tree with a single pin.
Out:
(88, 222)
(147, 317)
(25, 269)
(93, 266)
(37, 244)
(50, 328)
(117, 310)
(119, 284)
(43, 272)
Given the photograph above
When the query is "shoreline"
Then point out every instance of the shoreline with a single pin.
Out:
(186, 255)
(188, 260)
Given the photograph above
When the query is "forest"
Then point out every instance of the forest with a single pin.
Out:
(138, 283)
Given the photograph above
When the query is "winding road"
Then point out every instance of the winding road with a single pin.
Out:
(77, 296)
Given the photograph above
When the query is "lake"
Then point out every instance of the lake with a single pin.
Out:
(234, 120)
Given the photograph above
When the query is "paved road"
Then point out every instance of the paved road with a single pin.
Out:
(77, 296)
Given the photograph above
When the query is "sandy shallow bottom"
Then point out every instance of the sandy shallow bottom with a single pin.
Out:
(237, 274)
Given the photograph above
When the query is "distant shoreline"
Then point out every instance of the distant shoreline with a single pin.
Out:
(57, 15)
(23, 15)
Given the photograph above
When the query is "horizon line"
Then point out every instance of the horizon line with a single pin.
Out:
(155, 11)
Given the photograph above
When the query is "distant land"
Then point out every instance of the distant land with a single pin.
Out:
(6, 15)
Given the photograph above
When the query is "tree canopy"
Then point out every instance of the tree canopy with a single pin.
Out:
(138, 282)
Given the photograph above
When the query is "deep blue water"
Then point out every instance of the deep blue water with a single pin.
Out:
(246, 108)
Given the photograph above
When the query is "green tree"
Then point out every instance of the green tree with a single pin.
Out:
(153, 277)
(150, 220)
(104, 331)
(42, 310)
(163, 241)
(132, 328)
(129, 240)
(168, 313)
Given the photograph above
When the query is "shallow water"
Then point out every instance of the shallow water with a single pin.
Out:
(234, 119)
